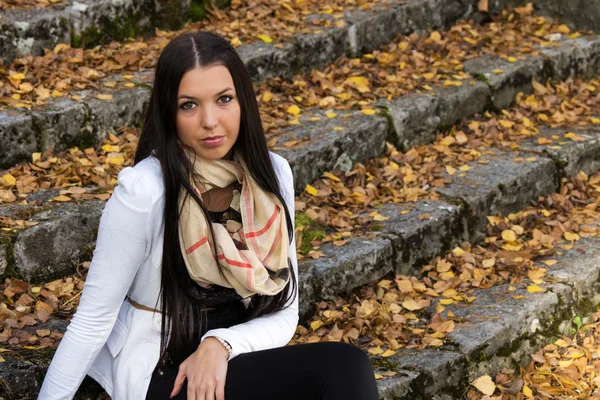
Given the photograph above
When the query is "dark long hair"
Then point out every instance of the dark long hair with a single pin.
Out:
(188, 51)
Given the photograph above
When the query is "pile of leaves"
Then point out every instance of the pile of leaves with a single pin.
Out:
(568, 368)
(398, 312)
(413, 63)
(409, 64)
(26, 308)
(338, 201)
(32, 81)
(26, 4)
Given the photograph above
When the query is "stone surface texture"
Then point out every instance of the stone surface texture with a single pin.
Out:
(64, 234)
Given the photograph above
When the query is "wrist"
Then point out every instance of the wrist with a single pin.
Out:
(223, 344)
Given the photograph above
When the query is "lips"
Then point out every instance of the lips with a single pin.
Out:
(213, 141)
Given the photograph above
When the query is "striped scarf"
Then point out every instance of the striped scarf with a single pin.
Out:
(261, 266)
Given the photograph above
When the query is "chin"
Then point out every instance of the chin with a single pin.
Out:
(214, 154)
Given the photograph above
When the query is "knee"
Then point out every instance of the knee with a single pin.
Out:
(355, 357)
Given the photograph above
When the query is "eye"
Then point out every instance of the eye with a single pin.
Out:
(231, 98)
(184, 105)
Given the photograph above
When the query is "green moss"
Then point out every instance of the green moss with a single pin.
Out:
(7, 240)
(89, 38)
(197, 11)
(108, 30)
(384, 364)
(480, 77)
(312, 231)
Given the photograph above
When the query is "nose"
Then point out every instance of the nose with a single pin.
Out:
(209, 118)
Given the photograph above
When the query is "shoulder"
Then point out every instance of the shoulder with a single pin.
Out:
(282, 168)
(142, 181)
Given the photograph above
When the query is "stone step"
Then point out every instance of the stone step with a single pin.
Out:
(405, 242)
(569, 12)
(25, 32)
(498, 330)
(24, 132)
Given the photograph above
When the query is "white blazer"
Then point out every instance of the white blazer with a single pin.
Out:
(110, 340)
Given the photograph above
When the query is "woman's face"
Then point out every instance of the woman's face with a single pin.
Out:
(208, 112)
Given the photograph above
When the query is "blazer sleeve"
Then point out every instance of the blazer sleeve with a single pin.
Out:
(277, 329)
(121, 246)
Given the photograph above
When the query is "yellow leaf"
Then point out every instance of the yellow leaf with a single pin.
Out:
(498, 71)
(331, 176)
(110, 84)
(375, 350)
(57, 93)
(450, 170)
(388, 353)
(18, 77)
(550, 262)
(534, 289)
(115, 159)
(316, 325)
(435, 36)
(129, 84)
(378, 376)
(368, 111)
(9, 179)
(464, 168)
(358, 80)
(311, 190)
(101, 96)
(411, 305)
(267, 96)
(35, 157)
(265, 38)
(509, 235)
(452, 83)
(571, 236)
(293, 109)
(379, 217)
(59, 47)
(485, 385)
(512, 59)
(564, 29)
(457, 251)
(506, 124)
(527, 392)
(26, 87)
(331, 115)
(61, 198)
(127, 76)
(536, 274)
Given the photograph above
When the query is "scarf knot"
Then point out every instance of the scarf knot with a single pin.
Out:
(252, 255)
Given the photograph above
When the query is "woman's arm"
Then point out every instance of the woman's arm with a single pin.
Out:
(277, 329)
(121, 246)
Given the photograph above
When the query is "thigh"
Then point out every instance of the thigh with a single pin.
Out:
(319, 371)
(324, 371)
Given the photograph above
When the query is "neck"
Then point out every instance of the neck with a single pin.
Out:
(229, 155)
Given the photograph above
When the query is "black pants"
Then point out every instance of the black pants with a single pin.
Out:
(315, 371)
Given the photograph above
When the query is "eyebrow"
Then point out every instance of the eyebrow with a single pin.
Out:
(184, 96)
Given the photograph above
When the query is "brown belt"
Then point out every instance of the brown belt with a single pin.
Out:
(142, 307)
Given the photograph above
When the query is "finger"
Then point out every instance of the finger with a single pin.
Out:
(179, 380)
(220, 392)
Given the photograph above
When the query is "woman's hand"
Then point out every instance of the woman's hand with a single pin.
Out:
(205, 370)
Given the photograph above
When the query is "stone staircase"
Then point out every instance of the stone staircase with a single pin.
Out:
(504, 331)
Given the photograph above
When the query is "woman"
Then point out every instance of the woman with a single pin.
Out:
(192, 290)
